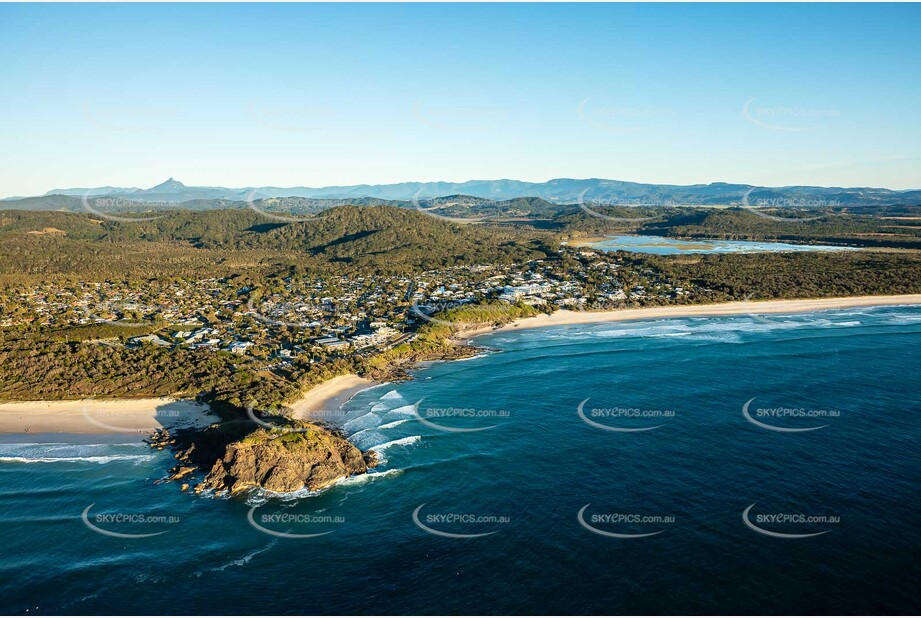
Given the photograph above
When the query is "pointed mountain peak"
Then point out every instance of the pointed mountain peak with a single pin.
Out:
(170, 186)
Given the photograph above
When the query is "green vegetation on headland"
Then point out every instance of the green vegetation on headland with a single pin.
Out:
(435, 340)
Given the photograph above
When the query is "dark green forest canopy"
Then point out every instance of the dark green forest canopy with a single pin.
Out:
(762, 276)
(366, 238)
(898, 228)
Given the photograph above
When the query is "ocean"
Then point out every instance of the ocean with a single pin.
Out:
(740, 464)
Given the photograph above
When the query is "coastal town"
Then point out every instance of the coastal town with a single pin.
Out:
(285, 317)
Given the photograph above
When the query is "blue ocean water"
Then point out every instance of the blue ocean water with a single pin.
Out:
(548, 506)
(662, 245)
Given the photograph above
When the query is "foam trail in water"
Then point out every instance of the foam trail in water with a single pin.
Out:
(380, 449)
(391, 396)
(240, 561)
(393, 424)
(101, 459)
(361, 479)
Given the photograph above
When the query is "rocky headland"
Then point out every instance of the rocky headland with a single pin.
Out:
(234, 457)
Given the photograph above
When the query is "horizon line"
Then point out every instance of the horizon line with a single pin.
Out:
(456, 182)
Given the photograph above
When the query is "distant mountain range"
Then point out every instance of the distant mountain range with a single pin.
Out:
(557, 191)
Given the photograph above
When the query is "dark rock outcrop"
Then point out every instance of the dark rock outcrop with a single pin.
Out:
(236, 457)
(280, 461)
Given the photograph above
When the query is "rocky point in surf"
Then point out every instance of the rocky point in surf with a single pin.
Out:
(295, 456)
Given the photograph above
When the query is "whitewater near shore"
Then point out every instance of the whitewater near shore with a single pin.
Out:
(329, 396)
(141, 416)
(564, 317)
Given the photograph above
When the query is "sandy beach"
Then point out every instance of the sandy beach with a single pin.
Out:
(560, 318)
(325, 399)
(141, 416)
(97, 416)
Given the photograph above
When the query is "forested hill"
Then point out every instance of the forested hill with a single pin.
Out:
(463, 206)
(382, 238)
(897, 228)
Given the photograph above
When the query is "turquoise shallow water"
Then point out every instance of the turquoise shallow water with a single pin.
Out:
(524, 480)
(662, 245)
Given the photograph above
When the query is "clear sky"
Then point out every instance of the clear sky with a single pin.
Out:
(314, 95)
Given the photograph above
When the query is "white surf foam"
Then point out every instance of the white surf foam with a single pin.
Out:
(361, 479)
(240, 561)
(101, 459)
(381, 449)
(365, 421)
(408, 410)
(393, 424)
(391, 396)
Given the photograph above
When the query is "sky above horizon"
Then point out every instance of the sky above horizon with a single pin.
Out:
(316, 95)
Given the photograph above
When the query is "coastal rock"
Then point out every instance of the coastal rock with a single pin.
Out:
(180, 472)
(310, 457)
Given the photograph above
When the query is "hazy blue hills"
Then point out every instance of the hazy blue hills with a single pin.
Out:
(474, 197)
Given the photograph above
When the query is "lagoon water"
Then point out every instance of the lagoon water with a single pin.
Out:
(523, 481)
(662, 245)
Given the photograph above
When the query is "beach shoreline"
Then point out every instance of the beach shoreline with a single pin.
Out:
(102, 416)
(564, 316)
(325, 399)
